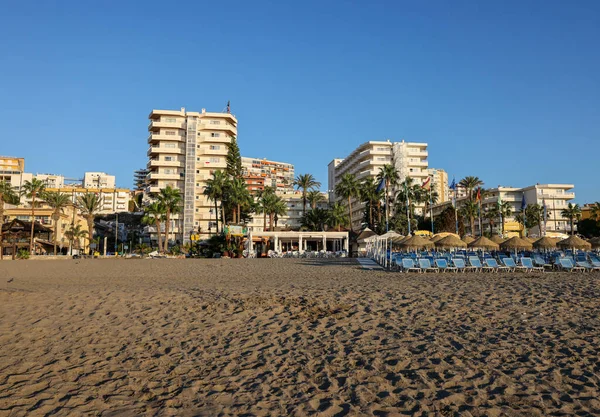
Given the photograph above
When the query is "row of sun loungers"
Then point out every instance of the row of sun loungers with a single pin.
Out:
(408, 264)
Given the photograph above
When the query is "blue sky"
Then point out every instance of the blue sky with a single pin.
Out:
(508, 91)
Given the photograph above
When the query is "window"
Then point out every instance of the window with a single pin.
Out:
(215, 135)
(215, 122)
(170, 120)
(215, 147)
(168, 171)
(168, 158)
(197, 171)
(215, 159)
(170, 145)
(170, 132)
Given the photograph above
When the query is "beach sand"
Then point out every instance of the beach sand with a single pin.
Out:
(297, 337)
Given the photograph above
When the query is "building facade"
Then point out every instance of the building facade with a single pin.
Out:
(261, 173)
(439, 184)
(139, 179)
(409, 159)
(12, 169)
(555, 197)
(185, 148)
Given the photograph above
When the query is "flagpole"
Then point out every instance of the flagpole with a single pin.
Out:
(407, 206)
(480, 229)
(431, 209)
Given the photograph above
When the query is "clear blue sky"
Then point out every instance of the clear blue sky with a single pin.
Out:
(505, 90)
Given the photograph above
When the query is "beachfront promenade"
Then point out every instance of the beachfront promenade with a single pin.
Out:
(293, 337)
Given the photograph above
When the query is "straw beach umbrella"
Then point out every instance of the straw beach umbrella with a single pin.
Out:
(497, 239)
(529, 239)
(483, 243)
(467, 239)
(450, 242)
(516, 243)
(416, 242)
(365, 234)
(573, 242)
(545, 243)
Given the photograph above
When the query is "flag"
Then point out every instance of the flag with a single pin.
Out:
(453, 185)
(426, 183)
(523, 203)
(479, 194)
(381, 185)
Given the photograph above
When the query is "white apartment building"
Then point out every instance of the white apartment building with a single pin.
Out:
(261, 173)
(556, 197)
(293, 218)
(185, 149)
(12, 169)
(98, 180)
(409, 158)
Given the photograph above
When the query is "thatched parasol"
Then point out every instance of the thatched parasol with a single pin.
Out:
(529, 239)
(441, 235)
(416, 242)
(595, 242)
(365, 234)
(545, 243)
(450, 241)
(483, 242)
(398, 239)
(468, 239)
(497, 239)
(573, 242)
(516, 243)
(390, 235)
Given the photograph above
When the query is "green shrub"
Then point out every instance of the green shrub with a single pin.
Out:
(23, 254)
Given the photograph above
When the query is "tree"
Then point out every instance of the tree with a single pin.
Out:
(89, 204)
(10, 196)
(534, 216)
(215, 190)
(33, 189)
(171, 200)
(234, 160)
(266, 198)
(469, 211)
(277, 208)
(315, 219)
(306, 182)
(58, 201)
(348, 188)
(492, 215)
(505, 210)
(337, 216)
(389, 175)
(75, 234)
(446, 222)
(572, 212)
(369, 196)
(314, 197)
(470, 184)
(410, 194)
(588, 228)
(154, 214)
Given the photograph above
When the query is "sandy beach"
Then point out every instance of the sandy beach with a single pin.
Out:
(297, 337)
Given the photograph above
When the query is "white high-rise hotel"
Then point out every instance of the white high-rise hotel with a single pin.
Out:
(409, 158)
(185, 149)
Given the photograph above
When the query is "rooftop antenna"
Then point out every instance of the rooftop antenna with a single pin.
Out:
(228, 108)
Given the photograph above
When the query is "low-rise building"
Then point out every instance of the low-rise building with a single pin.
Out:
(555, 197)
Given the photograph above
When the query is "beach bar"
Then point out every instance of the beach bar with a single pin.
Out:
(302, 241)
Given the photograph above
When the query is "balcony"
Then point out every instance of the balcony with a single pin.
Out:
(424, 154)
(153, 150)
(156, 124)
(162, 176)
(161, 163)
(563, 196)
(222, 127)
(424, 164)
(155, 137)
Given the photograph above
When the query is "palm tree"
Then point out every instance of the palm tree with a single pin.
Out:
(337, 216)
(58, 201)
(390, 176)
(74, 234)
(315, 219)
(33, 189)
(314, 197)
(170, 198)
(215, 190)
(572, 212)
(89, 204)
(369, 196)
(347, 188)
(534, 214)
(305, 182)
(238, 195)
(154, 214)
(265, 200)
(595, 211)
(10, 196)
(505, 210)
(411, 194)
(277, 208)
(470, 184)
(469, 211)
(491, 215)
